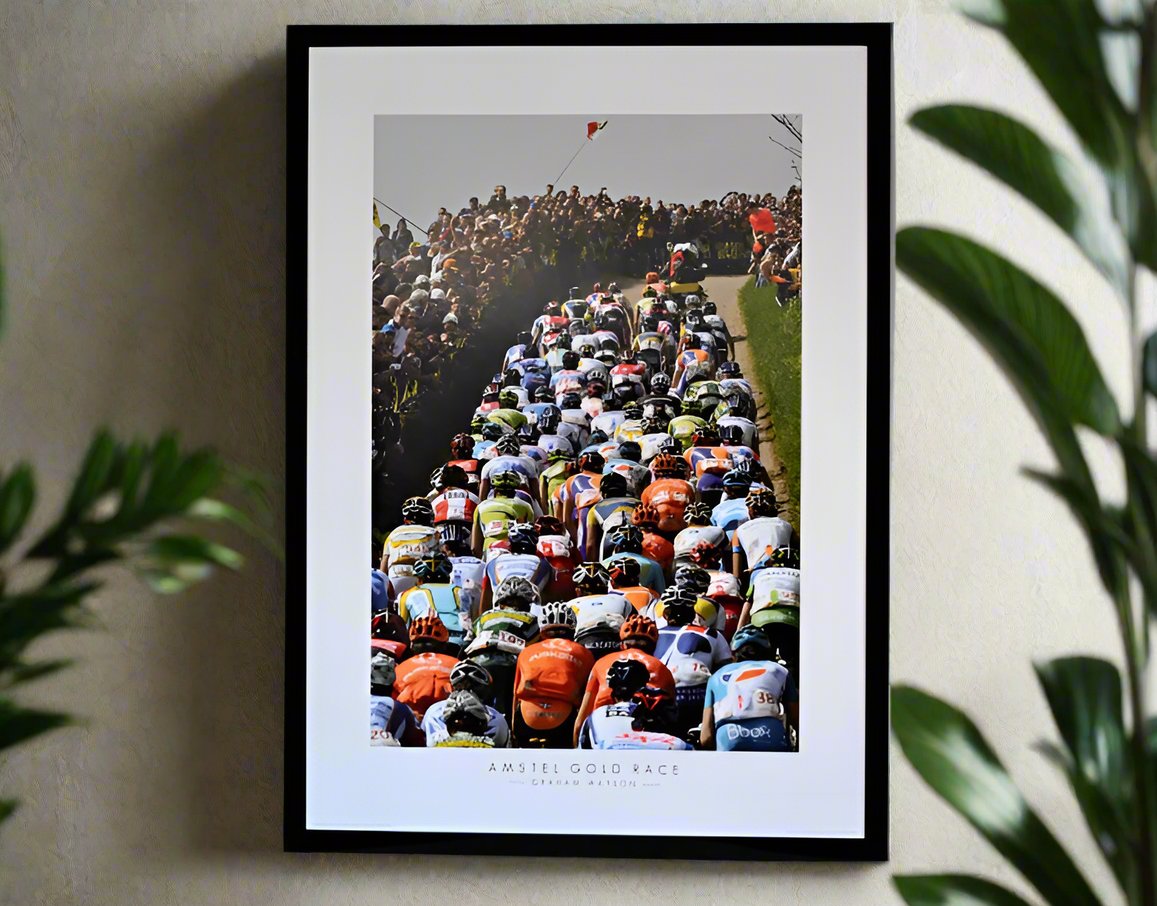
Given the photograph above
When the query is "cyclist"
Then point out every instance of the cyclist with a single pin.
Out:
(599, 612)
(520, 559)
(467, 677)
(638, 637)
(613, 508)
(624, 574)
(502, 632)
(509, 458)
(549, 679)
(762, 534)
(699, 535)
(467, 571)
(588, 475)
(627, 540)
(560, 466)
(750, 704)
(462, 453)
(494, 515)
(555, 545)
(669, 493)
(774, 585)
(655, 546)
(691, 652)
(625, 677)
(467, 721)
(424, 677)
(391, 722)
(409, 542)
(436, 595)
(453, 502)
(731, 511)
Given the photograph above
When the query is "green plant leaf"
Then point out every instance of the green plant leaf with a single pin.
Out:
(17, 496)
(7, 807)
(949, 752)
(953, 890)
(1060, 46)
(191, 549)
(218, 511)
(19, 724)
(1085, 696)
(21, 672)
(1067, 194)
(99, 462)
(1149, 364)
(1028, 330)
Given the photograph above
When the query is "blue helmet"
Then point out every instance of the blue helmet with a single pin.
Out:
(753, 636)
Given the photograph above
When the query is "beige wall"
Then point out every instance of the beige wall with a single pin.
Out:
(142, 156)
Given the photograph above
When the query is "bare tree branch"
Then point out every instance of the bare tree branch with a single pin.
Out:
(786, 148)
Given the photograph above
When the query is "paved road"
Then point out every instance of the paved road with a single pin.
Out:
(724, 292)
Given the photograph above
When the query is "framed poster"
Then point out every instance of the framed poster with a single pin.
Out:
(601, 417)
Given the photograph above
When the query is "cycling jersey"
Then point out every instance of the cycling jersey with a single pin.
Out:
(470, 467)
(692, 653)
(454, 505)
(578, 483)
(746, 425)
(705, 460)
(694, 535)
(549, 681)
(409, 544)
(650, 572)
(467, 577)
(495, 515)
(434, 726)
(390, 721)
(760, 537)
(553, 478)
(609, 422)
(511, 418)
(589, 609)
(773, 585)
(646, 739)
(422, 680)
(651, 444)
(574, 429)
(440, 599)
(606, 723)
(670, 497)
(606, 514)
(659, 676)
(638, 476)
(631, 429)
(516, 627)
(639, 595)
(659, 549)
(729, 514)
(522, 465)
(531, 567)
(747, 700)
(514, 354)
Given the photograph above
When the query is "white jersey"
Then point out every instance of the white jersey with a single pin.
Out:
(589, 609)
(466, 576)
(758, 538)
(686, 541)
(692, 653)
(774, 585)
(605, 724)
(574, 430)
(524, 465)
(409, 544)
(651, 444)
(609, 422)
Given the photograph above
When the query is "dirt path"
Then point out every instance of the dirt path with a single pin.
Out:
(724, 292)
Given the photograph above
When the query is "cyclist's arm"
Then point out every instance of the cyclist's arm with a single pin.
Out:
(744, 615)
(707, 728)
(584, 712)
(792, 709)
(737, 563)
(476, 535)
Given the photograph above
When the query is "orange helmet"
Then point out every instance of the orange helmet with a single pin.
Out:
(652, 276)
(638, 626)
(645, 515)
(666, 465)
(429, 628)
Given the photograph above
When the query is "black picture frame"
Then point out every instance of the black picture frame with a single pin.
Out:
(877, 39)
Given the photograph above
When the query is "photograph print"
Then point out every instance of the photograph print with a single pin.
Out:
(586, 345)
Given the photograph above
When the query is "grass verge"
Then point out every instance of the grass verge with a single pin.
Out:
(775, 341)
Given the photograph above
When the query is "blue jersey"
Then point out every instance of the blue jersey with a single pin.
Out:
(434, 726)
(389, 721)
(605, 724)
(651, 572)
(438, 599)
(747, 700)
(729, 514)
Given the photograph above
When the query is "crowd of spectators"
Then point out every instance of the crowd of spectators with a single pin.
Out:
(430, 289)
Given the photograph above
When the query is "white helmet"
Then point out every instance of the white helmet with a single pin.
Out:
(557, 613)
(516, 588)
(382, 670)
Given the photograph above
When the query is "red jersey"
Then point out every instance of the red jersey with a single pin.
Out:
(670, 497)
(422, 680)
(549, 681)
(659, 549)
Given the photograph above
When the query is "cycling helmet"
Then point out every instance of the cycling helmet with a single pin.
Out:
(570, 360)
(653, 424)
(654, 710)
(692, 301)
(625, 538)
(626, 676)
(435, 568)
(508, 445)
(705, 436)
(506, 480)
(548, 525)
(559, 454)
(729, 370)
(382, 670)
(570, 401)
(590, 576)
(630, 450)
(631, 407)
(678, 605)
(660, 382)
(466, 676)
(694, 578)
(698, 513)
(464, 712)
(493, 431)
(625, 572)
(523, 538)
(557, 613)
(549, 419)
(553, 307)
(652, 277)
(645, 516)
(511, 377)
(637, 627)
(452, 476)
(785, 557)
(543, 395)
(515, 592)
(598, 437)
(612, 288)
(418, 510)
(591, 461)
(753, 637)
(613, 484)
(731, 435)
(667, 466)
(462, 446)
(709, 307)
(429, 629)
(737, 480)
(692, 341)
(508, 399)
(761, 502)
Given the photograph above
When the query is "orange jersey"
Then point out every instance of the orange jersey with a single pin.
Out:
(670, 497)
(597, 684)
(423, 680)
(549, 681)
(639, 595)
(659, 549)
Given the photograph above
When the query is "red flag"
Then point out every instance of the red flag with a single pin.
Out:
(762, 221)
(594, 126)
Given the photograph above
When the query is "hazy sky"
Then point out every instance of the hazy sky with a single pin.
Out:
(422, 163)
